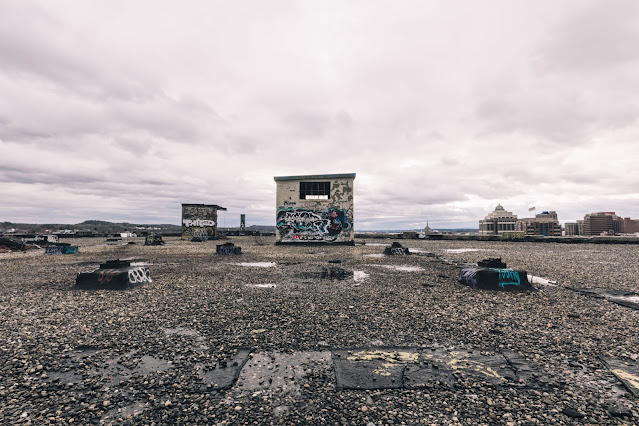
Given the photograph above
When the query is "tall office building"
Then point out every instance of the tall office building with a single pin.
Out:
(602, 223)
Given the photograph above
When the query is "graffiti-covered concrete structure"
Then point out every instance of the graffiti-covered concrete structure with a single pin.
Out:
(199, 220)
(315, 209)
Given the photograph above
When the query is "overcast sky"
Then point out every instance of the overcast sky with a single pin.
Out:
(123, 110)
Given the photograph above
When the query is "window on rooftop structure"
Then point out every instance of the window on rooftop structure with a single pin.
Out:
(315, 190)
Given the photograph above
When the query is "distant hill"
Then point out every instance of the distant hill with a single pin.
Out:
(105, 227)
(94, 226)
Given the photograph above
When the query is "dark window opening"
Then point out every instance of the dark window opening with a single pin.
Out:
(315, 190)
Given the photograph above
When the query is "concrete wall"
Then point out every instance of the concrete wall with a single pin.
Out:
(315, 221)
(199, 220)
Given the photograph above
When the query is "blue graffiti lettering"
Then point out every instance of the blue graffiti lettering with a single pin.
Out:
(507, 277)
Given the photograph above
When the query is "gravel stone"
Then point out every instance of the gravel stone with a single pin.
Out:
(151, 355)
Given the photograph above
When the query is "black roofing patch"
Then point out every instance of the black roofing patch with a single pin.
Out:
(412, 368)
(372, 368)
(449, 366)
(225, 372)
(626, 371)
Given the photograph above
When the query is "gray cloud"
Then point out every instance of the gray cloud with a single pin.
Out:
(125, 110)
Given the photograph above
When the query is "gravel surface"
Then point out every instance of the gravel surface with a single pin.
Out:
(248, 339)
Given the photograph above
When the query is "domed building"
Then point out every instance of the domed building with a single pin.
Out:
(498, 222)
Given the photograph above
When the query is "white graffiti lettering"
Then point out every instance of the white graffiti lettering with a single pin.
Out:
(198, 222)
(139, 275)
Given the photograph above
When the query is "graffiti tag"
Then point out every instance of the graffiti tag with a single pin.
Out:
(508, 277)
(198, 223)
(61, 250)
(106, 275)
(139, 275)
(228, 250)
(307, 224)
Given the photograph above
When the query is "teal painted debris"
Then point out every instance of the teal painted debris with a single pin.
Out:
(492, 274)
(61, 249)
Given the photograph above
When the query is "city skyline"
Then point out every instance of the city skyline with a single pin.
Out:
(122, 111)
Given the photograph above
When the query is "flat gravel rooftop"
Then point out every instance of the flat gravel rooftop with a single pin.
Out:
(318, 335)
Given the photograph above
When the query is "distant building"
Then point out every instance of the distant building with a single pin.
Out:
(427, 230)
(497, 222)
(574, 228)
(602, 223)
(315, 209)
(199, 220)
(48, 238)
(544, 223)
(630, 226)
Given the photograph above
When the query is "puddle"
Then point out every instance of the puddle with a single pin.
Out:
(262, 285)
(149, 364)
(281, 373)
(376, 244)
(145, 263)
(123, 413)
(66, 377)
(360, 276)
(225, 372)
(401, 268)
(327, 273)
(374, 255)
(112, 371)
(181, 331)
(88, 349)
(462, 250)
(188, 332)
(258, 264)
(542, 281)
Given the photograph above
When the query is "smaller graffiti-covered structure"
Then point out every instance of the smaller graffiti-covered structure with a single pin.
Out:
(315, 209)
(199, 221)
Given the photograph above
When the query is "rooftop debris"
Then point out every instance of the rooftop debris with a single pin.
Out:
(61, 249)
(11, 244)
(114, 274)
(396, 249)
(628, 299)
(492, 274)
(228, 249)
(154, 240)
